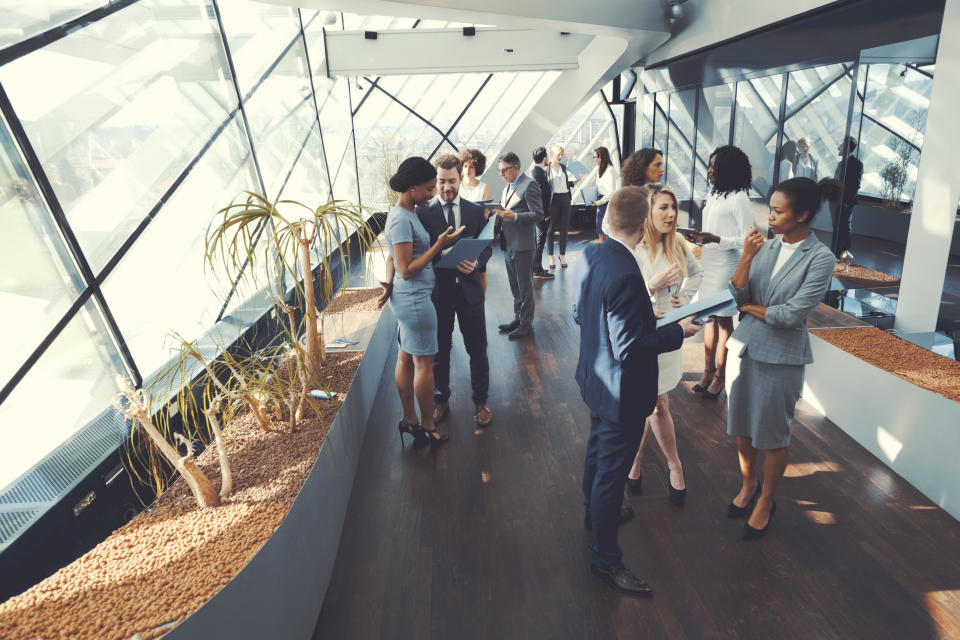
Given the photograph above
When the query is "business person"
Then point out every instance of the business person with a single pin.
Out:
(673, 275)
(539, 175)
(523, 210)
(458, 292)
(850, 172)
(617, 375)
(472, 187)
(641, 168)
(561, 180)
(777, 285)
(411, 257)
(727, 218)
(608, 181)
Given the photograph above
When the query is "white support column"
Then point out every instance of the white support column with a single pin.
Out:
(938, 190)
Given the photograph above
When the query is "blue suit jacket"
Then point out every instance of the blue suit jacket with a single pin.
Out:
(446, 280)
(619, 342)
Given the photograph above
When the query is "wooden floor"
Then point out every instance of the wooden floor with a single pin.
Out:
(484, 539)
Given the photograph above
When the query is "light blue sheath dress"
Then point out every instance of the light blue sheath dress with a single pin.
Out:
(410, 298)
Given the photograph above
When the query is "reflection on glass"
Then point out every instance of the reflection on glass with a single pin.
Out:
(71, 383)
(38, 280)
(816, 118)
(713, 130)
(894, 118)
(661, 122)
(680, 148)
(257, 34)
(281, 114)
(24, 19)
(756, 126)
(115, 129)
(590, 127)
(148, 304)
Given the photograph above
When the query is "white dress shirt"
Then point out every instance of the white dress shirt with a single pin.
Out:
(607, 184)
(558, 180)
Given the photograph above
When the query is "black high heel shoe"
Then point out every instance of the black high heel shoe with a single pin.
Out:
(749, 533)
(414, 430)
(677, 496)
(635, 485)
(733, 511)
(699, 388)
(434, 437)
(714, 395)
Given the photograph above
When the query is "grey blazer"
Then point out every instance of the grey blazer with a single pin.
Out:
(523, 198)
(790, 297)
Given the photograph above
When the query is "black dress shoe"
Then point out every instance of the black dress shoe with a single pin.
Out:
(540, 273)
(635, 486)
(619, 577)
(508, 327)
(749, 533)
(733, 511)
(626, 515)
(520, 332)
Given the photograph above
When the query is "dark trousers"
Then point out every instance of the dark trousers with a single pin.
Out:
(519, 272)
(543, 228)
(601, 212)
(559, 221)
(473, 328)
(842, 227)
(610, 452)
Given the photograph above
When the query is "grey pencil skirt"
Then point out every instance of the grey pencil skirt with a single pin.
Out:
(417, 320)
(763, 398)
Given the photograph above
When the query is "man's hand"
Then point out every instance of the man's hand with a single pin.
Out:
(708, 238)
(506, 214)
(466, 267)
(689, 327)
(385, 289)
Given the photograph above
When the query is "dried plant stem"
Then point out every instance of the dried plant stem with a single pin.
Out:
(226, 475)
(315, 353)
(136, 409)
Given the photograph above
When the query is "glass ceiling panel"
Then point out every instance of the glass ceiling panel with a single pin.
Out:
(24, 19)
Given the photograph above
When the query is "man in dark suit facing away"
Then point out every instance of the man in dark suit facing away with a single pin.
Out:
(539, 175)
(617, 373)
(458, 292)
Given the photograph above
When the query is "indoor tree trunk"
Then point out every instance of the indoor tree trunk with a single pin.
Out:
(315, 354)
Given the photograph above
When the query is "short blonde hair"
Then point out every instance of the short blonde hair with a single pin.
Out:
(628, 209)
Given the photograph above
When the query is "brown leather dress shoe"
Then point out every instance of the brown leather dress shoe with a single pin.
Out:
(440, 412)
(483, 417)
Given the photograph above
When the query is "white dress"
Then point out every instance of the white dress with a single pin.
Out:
(473, 194)
(671, 362)
(730, 218)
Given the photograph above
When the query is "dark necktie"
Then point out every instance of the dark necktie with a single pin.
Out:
(450, 219)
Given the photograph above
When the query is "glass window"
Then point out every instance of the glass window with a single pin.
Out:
(590, 127)
(645, 124)
(816, 118)
(894, 118)
(38, 280)
(307, 182)
(756, 127)
(73, 381)
(257, 34)
(661, 122)
(24, 19)
(680, 152)
(147, 304)
(281, 114)
(115, 129)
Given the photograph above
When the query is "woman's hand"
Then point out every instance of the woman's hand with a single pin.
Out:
(708, 238)
(385, 289)
(752, 243)
(675, 301)
(666, 278)
(449, 236)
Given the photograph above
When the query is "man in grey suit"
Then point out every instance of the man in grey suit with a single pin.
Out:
(522, 211)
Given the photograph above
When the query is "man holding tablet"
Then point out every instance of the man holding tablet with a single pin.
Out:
(458, 291)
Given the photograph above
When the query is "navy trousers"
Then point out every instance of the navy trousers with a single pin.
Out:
(610, 452)
(473, 328)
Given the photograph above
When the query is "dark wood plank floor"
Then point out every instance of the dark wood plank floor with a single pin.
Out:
(484, 538)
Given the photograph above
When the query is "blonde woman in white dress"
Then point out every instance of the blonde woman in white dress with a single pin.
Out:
(673, 275)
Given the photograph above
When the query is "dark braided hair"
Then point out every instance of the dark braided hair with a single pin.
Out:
(806, 195)
(411, 172)
(634, 170)
(731, 171)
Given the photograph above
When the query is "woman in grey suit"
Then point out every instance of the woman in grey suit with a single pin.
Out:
(411, 257)
(777, 285)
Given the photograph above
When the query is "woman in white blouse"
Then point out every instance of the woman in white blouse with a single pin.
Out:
(608, 181)
(561, 179)
(727, 219)
(806, 164)
(673, 275)
(471, 187)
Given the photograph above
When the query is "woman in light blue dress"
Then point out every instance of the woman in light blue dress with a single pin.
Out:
(411, 258)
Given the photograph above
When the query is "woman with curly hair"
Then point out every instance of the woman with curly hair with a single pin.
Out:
(471, 187)
(643, 167)
(727, 219)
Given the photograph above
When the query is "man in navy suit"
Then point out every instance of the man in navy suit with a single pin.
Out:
(539, 175)
(458, 292)
(617, 373)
